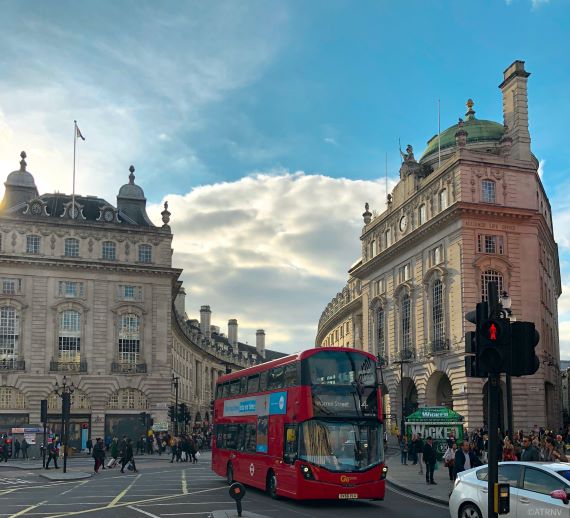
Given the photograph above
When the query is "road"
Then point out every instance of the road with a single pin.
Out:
(161, 489)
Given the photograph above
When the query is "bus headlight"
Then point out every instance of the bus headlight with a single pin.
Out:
(306, 472)
(384, 472)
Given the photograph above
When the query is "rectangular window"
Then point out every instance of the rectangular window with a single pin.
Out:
(145, 254)
(11, 286)
(32, 244)
(71, 289)
(71, 247)
(489, 244)
(443, 200)
(129, 351)
(290, 375)
(436, 255)
(372, 248)
(388, 237)
(109, 251)
(404, 273)
(422, 214)
(276, 378)
(488, 191)
(263, 378)
(253, 384)
(129, 292)
(235, 387)
(250, 438)
(380, 287)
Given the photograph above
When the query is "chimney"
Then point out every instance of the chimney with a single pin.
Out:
(233, 331)
(515, 109)
(180, 302)
(260, 342)
(205, 317)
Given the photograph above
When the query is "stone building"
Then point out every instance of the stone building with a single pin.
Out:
(471, 210)
(88, 292)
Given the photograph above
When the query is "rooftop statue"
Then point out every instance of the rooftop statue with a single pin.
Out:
(408, 156)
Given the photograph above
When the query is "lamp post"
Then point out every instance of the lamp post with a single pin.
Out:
(64, 392)
(174, 382)
(405, 357)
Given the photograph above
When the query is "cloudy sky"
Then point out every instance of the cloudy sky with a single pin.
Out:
(265, 124)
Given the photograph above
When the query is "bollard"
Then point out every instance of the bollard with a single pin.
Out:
(237, 492)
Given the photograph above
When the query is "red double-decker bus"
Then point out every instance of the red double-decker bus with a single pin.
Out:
(306, 426)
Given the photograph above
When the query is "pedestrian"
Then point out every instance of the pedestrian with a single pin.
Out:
(16, 449)
(114, 451)
(53, 453)
(420, 448)
(449, 459)
(193, 447)
(429, 459)
(5, 449)
(552, 453)
(173, 450)
(24, 448)
(89, 445)
(508, 451)
(529, 452)
(465, 458)
(128, 456)
(404, 450)
(98, 454)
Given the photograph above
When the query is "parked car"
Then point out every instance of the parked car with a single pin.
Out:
(537, 489)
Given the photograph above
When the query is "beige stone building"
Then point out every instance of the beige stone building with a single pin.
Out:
(471, 210)
(88, 291)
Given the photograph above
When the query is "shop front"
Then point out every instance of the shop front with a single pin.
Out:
(118, 425)
(79, 429)
(438, 422)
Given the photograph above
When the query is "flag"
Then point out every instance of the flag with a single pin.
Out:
(78, 134)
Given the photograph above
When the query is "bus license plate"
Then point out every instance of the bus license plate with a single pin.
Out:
(343, 496)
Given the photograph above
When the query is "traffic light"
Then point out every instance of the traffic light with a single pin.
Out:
(142, 418)
(494, 346)
(181, 412)
(524, 339)
(43, 410)
(471, 356)
(172, 413)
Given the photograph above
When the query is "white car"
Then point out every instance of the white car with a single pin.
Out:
(537, 489)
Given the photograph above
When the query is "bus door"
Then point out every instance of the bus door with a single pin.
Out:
(287, 478)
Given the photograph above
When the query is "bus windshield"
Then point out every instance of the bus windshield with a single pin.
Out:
(339, 368)
(341, 445)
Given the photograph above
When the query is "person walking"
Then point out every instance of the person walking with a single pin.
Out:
(404, 451)
(420, 450)
(24, 447)
(449, 459)
(430, 459)
(89, 445)
(128, 456)
(173, 450)
(53, 453)
(98, 454)
(193, 446)
(114, 451)
(529, 453)
(465, 458)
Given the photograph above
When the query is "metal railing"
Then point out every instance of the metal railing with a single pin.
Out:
(67, 366)
(404, 355)
(12, 365)
(128, 368)
(439, 346)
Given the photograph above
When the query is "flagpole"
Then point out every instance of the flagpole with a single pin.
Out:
(439, 132)
(386, 174)
(74, 151)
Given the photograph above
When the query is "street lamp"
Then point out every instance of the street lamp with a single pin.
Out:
(174, 381)
(405, 357)
(64, 392)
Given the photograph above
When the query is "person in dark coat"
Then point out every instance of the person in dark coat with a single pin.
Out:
(465, 458)
(98, 454)
(429, 459)
(24, 447)
(128, 456)
(5, 449)
(89, 445)
(16, 448)
(53, 453)
(528, 452)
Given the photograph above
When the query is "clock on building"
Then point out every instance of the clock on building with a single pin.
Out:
(108, 215)
(36, 208)
(403, 223)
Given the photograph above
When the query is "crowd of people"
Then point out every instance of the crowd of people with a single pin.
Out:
(473, 450)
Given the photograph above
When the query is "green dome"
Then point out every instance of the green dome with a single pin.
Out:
(477, 131)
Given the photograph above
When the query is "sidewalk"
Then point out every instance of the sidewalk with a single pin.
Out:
(408, 479)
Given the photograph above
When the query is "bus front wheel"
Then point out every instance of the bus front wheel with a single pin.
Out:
(272, 485)
(230, 474)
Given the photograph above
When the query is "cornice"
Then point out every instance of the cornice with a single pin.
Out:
(336, 318)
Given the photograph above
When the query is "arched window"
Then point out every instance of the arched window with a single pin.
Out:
(12, 398)
(490, 276)
(145, 254)
(69, 336)
(9, 333)
(422, 215)
(380, 332)
(406, 316)
(488, 191)
(109, 250)
(71, 247)
(129, 338)
(443, 200)
(128, 398)
(437, 314)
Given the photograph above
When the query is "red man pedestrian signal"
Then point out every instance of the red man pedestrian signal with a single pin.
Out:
(493, 332)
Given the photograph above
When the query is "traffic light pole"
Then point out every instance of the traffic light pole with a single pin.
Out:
(493, 466)
(509, 405)
(175, 382)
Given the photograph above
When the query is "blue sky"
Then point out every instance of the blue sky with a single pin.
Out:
(283, 110)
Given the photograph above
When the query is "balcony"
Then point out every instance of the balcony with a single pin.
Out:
(12, 365)
(405, 355)
(128, 368)
(436, 347)
(67, 366)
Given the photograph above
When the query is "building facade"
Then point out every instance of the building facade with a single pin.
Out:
(471, 210)
(88, 295)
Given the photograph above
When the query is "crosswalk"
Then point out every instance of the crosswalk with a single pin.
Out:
(13, 481)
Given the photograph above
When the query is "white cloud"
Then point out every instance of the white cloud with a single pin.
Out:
(538, 3)
(330, 140)
(541, 168)
(270, 249)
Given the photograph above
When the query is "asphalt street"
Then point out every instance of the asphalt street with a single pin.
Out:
(161, 489)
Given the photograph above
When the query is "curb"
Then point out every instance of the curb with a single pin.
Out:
(417, 493)
(65, 476)
(26, 467)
